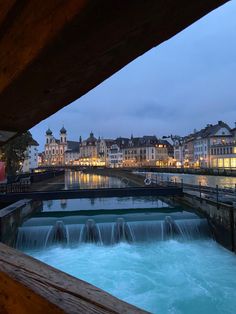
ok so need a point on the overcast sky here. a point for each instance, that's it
(184, 83)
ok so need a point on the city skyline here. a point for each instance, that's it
(183, 84)
(76, 137)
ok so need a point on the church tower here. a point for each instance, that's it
(63, 136)
(48, 136)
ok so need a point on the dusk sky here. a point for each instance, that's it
(184, 83)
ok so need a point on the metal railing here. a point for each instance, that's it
(219, 194)
(17, 187)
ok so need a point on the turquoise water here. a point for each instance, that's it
(161, 277)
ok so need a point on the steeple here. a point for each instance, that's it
(48, 132)
(63, 135)
(49, 136)
(63, 130)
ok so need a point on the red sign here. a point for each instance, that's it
(2, 171)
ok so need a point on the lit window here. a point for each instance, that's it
(220, 163)
(226, 163)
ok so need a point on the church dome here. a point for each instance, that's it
(91, 140)
(48, 132)
(63, 130)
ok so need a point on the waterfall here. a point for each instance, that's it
(60, 234)
(91, 233)
(192, 229)
(108, 233)
(146, 231)
(121, 232)
(34, 237)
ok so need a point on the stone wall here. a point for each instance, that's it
(221, 218)
(12, 216)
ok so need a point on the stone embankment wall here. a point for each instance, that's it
(199, 171)
(12, 216)
(221, 217)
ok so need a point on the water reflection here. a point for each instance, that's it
(103, 203)
(80, 180)
(196, 179)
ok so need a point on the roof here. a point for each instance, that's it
(211, 129)
(63, 130)
(108, 141)
(73, 146)
(49, 132)
(91, 139)
(33, 143)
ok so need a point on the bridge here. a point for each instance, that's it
(93, 193)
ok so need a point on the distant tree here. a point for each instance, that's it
(13, 153)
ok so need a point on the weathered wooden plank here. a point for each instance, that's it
(30, 286)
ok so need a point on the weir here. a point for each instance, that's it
(122, 229)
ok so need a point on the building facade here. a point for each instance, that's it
(31, 157)
(59, 151)
(104, 147)
(115, 157)
(212, 147)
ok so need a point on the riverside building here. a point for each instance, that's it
(212, 147)
(59, 151)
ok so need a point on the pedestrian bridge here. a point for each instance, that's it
(94, 193)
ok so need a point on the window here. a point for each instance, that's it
(226, 163)
(214, 162)
(220, 163)
(233, 162)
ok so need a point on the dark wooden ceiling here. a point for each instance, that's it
(53, 52)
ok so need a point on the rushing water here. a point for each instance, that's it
(211, 181)
(155, 256)
(109, 229)
(161, 277)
